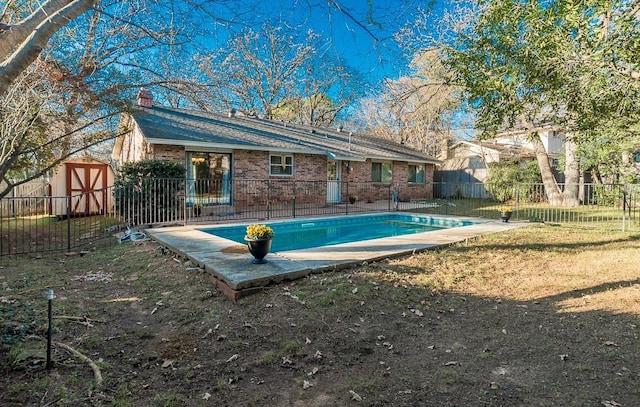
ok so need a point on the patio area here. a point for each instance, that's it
(230, 263)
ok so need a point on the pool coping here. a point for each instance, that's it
(230, 262)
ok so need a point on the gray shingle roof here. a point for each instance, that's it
(163, 125)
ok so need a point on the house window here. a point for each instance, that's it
(381, 172)
(416, 173)
(281, 165)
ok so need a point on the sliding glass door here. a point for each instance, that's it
(209, 178)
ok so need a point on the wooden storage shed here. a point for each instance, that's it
(80, 187)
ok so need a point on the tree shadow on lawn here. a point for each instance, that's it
(557, 246)
(376, 330)
(458, 349)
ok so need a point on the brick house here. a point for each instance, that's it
(221, 151)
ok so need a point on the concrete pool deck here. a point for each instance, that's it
(230, 262)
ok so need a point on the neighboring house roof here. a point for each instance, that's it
(163, 125)
(504, 150)
(508, 150)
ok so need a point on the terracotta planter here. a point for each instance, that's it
(505, 216)
(259, 248)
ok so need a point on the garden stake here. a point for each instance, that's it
(50, 301)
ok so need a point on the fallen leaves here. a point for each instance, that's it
(355, 396)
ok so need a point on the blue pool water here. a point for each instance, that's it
(303, 234)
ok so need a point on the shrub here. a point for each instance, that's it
(509, 180)
(146, 191)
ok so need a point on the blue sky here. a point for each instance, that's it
(359, 31)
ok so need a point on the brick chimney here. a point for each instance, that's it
(145, 98)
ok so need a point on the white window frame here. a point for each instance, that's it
(283, 164)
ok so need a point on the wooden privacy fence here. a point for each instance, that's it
(35, 224)
(21, 202)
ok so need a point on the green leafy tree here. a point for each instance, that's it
(527, 65)
(509, 180)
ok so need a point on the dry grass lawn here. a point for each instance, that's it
(538, 316)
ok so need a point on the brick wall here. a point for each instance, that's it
(254, 185)
(251, 164)
(251, 170)
(163, 152)
(365, 190)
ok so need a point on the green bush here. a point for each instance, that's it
(147, 191)
(509, 180)
(605, 195)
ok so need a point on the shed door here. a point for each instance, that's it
(86, 185)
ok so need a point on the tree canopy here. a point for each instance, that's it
(529, 64)
(276, 74)
(416, 110)
(70, 67)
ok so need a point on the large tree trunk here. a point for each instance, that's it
(15, 34)
(550, 185)
(571, 173)
(22, 43)
(555, 195)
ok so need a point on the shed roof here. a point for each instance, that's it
(189, 128)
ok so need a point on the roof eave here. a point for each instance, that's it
(230, 146)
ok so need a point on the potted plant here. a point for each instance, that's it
(352, 199)
(505, 213)
(258, 238)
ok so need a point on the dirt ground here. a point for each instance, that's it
(539, 316)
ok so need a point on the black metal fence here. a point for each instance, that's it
(601, 206)
(50, 224)
(40, 224)
(271, 199)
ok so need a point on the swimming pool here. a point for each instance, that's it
(306, 233)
